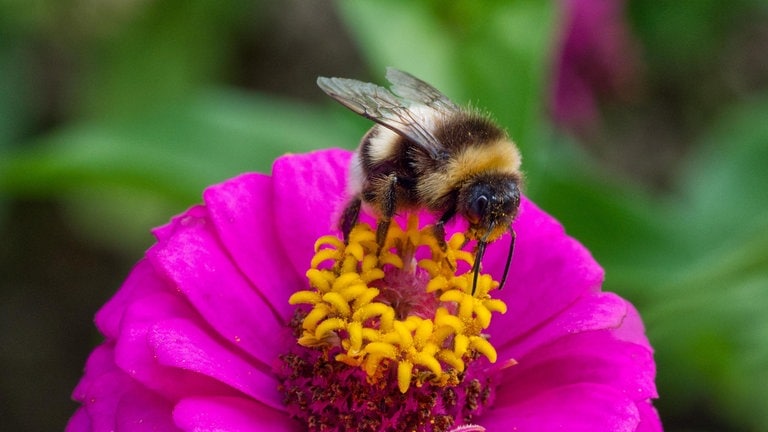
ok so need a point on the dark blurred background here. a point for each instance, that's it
(644, 129)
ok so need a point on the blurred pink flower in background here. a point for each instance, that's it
(598, 59)
(193, 335)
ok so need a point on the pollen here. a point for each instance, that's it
(404, 312)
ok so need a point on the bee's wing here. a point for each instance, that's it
(382, 106)
(413, 89)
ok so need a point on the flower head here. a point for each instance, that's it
(247, 315)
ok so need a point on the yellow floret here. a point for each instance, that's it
(348, 311)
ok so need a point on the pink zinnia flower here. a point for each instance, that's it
(202, 336)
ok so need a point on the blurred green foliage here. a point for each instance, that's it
(123, 112)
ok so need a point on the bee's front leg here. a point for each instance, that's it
(439, 228)
(349, 217)
(388, 203)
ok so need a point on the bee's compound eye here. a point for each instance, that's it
(477, 209)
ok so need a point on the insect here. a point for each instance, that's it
(427, 152)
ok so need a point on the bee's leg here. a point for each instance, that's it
(381, 232)
(388, 205)
(349, 217)
(439, 228)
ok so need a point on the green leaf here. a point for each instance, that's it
(117, 170)
(494, 54)
(696, 27)
(177, 150)
(707, 321)
(15, 93)
(710, 337)
(627, 231)
(405, 35)
(168, 49)
(724, 187)
(504, 64)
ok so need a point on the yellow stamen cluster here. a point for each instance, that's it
(349, 311)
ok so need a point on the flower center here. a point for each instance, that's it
(395, 333)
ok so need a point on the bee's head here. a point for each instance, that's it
(489, 203)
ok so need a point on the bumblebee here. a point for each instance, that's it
(426, 152)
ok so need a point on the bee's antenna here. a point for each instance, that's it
(509, 257)
(481, 243)
(476, 266)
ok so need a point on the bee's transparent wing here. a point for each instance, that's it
(413, 89)
(382, 106)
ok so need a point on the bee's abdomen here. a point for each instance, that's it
(383, 157)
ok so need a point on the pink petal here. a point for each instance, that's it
(142, 281)
(593, 311)
(594, 357)
(649, 418)
(101, 389)
(241, 210)
(182, 344)
(215, 414)
(100, 361)
(135, 355)
(164, 232)
(549, 272)
(309, 192)
(141, 410)
(193, 258)
(586, 407)
(632, 328)
(79, 422)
